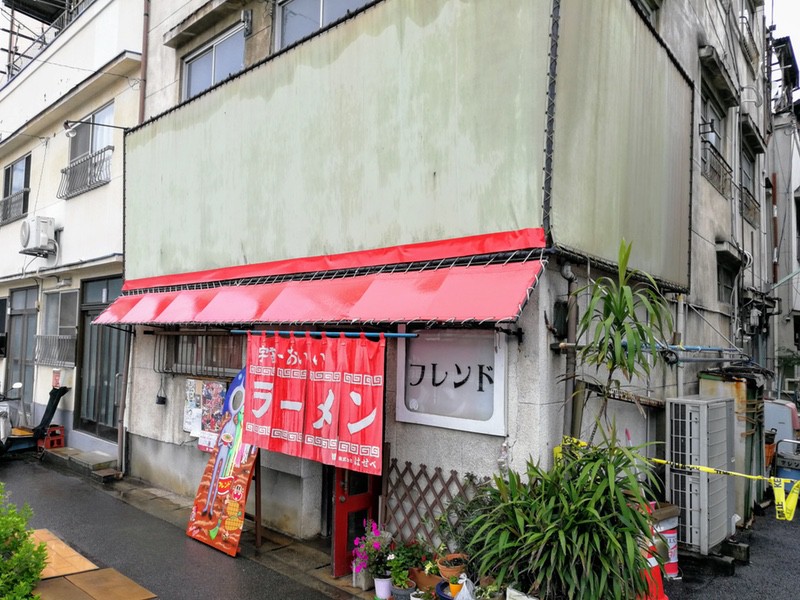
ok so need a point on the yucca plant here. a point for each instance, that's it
(577, 530)
(625, 321)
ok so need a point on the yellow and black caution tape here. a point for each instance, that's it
(785, 505)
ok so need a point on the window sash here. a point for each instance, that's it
(223, 57)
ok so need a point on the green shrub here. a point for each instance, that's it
(574, 531)
(21, 560)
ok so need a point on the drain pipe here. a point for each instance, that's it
(569, 375)
(680, 325)
(145, 52)
(122, 395)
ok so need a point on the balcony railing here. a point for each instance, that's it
(748, 41)
(87, 173)
(20, 60)
(55, 350)
(751, 209)
(716, 170)
(14, 206)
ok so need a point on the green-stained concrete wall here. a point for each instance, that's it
(413, 121)
(622, 162)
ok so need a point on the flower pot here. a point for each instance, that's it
(425, 582)
(362, 580)
(446, 571)
(383, 587)
(455, 588)
(404, 593)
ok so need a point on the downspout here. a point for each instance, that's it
(680, 326)
(570, 417)
(774, 229)
(145, 45)
(123, 394)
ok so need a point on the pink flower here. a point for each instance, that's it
(376, 545)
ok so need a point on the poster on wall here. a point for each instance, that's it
(217, 515)
(202, 416)
(319, 398)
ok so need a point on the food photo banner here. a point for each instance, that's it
(319, 398)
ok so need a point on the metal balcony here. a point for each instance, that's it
(14, 206)
(750, 208)
(716, 170)
(56, 350)
(46, 12)
(748, 41)
(86, 173)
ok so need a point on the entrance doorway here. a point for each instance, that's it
(355, 499)
(103, 352)
(21, 361)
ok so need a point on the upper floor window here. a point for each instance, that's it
(214, 62)
(56, 345)
(298, 19)
(712, 132)
(16, 188)
(90, 149)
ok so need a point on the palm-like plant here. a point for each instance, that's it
(628, 319)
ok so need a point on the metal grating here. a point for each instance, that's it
(87, 173)
(716, 170)
(416, 497)
(14, 206)
(55, 350)
(751, 211)
(199, 355)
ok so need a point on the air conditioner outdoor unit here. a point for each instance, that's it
(37, 236)
(699, 432)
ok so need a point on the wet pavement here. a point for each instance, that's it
(772, 572)
(140, 531)
(154, 551)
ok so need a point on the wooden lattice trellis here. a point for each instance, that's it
(415, 498)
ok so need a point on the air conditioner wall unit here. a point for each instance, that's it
(699, 432)
(37, 236)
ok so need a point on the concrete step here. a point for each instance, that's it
(83, 463)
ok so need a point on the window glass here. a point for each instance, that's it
(229, 56)
(222, 58)
(713, 123)
(748, 172)
(102, 136)
(81, 143)
(68, 312)
(299, 19)
(199, 73)
(51, 314)
(336, 9)
(726, 276)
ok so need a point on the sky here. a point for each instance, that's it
(785, 14)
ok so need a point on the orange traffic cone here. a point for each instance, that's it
(652, 575)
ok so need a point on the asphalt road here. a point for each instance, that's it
(160, 557)
(773, 572)
(152, 552)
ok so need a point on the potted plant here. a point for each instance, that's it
(456, 583)
(624, 324)
(402, 586)
(370, 554)
(452, 565)
(576, 530)
(422, 567)
(422, 595)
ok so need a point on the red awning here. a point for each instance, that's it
(483, 292)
